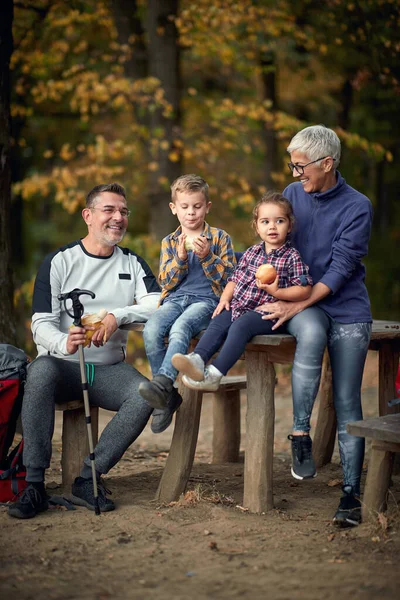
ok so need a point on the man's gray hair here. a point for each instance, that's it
(115, 188)
(315, 142)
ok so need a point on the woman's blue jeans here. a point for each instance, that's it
(180, 318)
(347, 346)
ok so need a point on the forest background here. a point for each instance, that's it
(141, 91)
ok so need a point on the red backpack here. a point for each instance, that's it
(13, 364)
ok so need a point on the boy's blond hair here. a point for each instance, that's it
(189, 183)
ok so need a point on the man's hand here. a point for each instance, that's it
(105, 331)
(201, 246)
(281, 310)
(222, 305)
(182, 252)
(76, 337)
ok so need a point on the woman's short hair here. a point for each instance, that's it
(316, 142)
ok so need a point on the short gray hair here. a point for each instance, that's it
(115, 188)
(315, 142)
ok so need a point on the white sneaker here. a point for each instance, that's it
(210, 383)
(191, 365)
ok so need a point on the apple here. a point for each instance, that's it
(266, 273)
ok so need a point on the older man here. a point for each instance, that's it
(125, 286)
(332, 231)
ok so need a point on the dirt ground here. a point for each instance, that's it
(206, 545)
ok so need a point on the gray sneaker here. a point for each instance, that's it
(83, 494)
(191, 365)
(162, 419)
(210, 383)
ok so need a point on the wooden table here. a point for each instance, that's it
(261, 354)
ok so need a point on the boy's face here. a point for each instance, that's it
(191, 209)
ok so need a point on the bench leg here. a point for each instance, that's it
(226, 426)
(75, 445)
(260, 424)
(378, 481)
(325, 430)
(183, 446)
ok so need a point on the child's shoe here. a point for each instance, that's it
(191, 365)
(162, 418)
(156, 392)
(210, 383)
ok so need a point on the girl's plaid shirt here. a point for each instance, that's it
(218, 265)
(288, 264)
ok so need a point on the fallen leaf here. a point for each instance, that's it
(213, 545)
(334, 482)
(383, 522)
(242, 508)
(331, 537)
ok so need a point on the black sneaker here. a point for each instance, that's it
(349, 512)
(83, 494)
(33, 500)
(303, 465)
(156, 391)
(162, 418)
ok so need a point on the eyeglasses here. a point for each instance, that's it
(300, 168)
(110, 210)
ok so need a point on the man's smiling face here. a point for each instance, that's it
(107, 219)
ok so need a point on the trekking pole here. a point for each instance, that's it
(77, 312)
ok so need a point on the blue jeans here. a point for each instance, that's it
(181, 318)
(230, 338)
(347, 347)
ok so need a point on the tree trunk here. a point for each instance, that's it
(268, 65)
(7, 318)
(163, 55)
(131, 32)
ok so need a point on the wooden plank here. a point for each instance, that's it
(183, 446)
(260, 423)
(233, 382)
(75, 445)
(226, 426)
(386, 428)
(325, 430)
(377, 483)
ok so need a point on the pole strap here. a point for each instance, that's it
(90, 373)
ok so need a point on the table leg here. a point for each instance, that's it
(183, 446)
(325, 430)
(388, 365)
(260, 423)
(378, 479)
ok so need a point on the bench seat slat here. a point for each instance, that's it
(386, 428)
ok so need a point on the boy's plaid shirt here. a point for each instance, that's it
(218, 265)
(288, 264)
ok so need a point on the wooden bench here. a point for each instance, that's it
(226, 429)
(385, 434)
(226, 419)
(75, 444)
(261, 354)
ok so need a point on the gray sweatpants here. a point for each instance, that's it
(115, 388)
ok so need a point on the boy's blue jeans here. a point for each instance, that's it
(180, 318)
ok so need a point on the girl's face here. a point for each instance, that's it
(272, 225)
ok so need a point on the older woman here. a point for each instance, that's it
(333, 225)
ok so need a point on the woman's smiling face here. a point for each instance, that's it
(317, 177)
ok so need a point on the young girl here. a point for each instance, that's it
(238, 316)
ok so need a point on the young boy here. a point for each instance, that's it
(196, 261)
